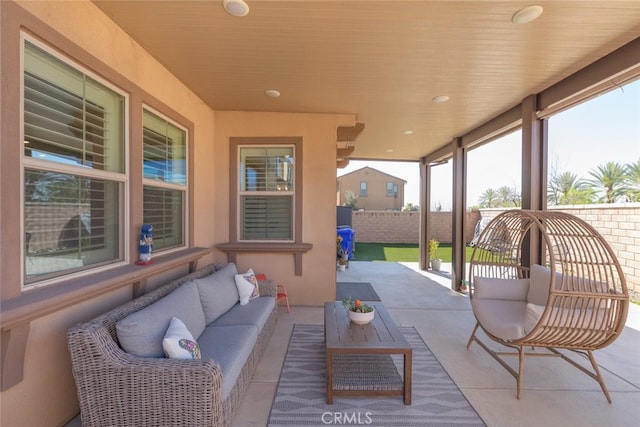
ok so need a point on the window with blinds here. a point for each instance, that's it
(266, 193)
(74, 145)
(165, 180)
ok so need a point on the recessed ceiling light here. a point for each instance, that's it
(407, 132)
(272, 93)
(527, 14)
(440, 98)
(390, 150)
(235, 7)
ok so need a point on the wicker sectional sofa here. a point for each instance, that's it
(123, 379)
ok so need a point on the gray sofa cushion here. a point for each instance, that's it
(229, 346)
(218, 292)
(503, 318)
(141, 333)
(254, 313)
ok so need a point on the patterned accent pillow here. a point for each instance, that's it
(178, 343)
(247, 286)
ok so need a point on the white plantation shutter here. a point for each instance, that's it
(163, 208)
(74, 168)
(165, 179)
(266, 193)
(267, 217)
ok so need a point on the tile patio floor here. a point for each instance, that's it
(554, 393)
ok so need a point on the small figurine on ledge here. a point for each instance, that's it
(146, 245)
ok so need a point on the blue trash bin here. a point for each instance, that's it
(348, 238)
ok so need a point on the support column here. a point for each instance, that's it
(459, 214)
(534, 172)
(534, 158)
(425, 203)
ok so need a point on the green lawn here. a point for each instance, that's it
(398, 252)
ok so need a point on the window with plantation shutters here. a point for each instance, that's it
(74, 174)
(165, 180)
(266, 193)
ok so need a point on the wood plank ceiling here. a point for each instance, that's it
(382, 60)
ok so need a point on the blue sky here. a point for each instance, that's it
(604, 129)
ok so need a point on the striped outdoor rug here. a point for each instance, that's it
(300, 397)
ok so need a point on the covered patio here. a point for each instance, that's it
(423, 82)
(554, 393)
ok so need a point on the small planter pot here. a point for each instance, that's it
(342, 267)
(361, 318)
(436, 264)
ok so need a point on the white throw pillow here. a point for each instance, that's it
(247, 286)
(178, 343)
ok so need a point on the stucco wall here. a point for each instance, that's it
(404, 227)
(619, 224)
(317, 284)
(46, 395)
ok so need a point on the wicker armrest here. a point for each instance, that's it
(268, 288)
(117, 388)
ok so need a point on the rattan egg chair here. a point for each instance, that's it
(548, 280)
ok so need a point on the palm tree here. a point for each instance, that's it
(610, 179)
(489, 198)
(508, 196)
(633, 181)
(567, 189)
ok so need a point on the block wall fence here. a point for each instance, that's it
(404, 227)
(619, 224)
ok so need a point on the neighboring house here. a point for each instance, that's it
(374, 190)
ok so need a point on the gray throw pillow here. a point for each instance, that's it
(141, 333)
(218, 292)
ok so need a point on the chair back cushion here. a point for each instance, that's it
(504, 289)
(540, 284)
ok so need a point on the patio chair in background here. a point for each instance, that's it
(281, 295)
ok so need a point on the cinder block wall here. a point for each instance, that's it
(404, 227)
(619, 224)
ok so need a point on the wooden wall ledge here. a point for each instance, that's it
(17, 313)
(232, 249)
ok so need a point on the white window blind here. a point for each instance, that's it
(266, 193)
(74, 162)
(165, 178)
(163, 208)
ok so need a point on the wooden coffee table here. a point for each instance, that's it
(380, 337)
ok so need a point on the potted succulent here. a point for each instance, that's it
(359, 313)
(463, 286)
(342, 262)
(433, 255)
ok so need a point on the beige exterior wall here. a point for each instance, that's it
(317, 284)
(46, 396)
(376, 198)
